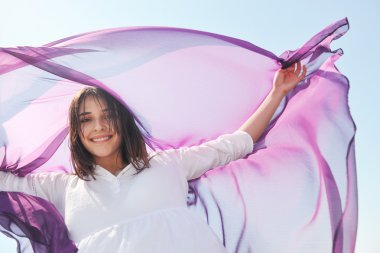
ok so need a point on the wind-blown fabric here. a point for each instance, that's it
(296, 192)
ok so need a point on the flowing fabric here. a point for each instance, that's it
(296, 192)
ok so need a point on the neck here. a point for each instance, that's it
(112, 164)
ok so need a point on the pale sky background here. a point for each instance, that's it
(273, 25)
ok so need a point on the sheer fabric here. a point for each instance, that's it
(296, 192)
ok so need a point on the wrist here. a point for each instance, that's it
(278, 93)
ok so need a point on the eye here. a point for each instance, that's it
(84, 120)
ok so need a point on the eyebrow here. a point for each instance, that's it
(86, 113)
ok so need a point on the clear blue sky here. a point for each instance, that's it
(273, 25)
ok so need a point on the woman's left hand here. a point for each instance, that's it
(286, 79)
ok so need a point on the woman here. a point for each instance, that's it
(122, 199)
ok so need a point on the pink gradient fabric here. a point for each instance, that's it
(296, 192)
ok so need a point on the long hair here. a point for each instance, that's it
(132, 148)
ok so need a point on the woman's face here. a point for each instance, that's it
(98, 136)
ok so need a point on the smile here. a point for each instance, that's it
(101, 138)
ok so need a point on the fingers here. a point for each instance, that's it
(303, 72)
(292, 68)
(296, 69)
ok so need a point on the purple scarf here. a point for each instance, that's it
(296, 192)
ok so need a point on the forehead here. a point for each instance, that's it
(92, 104)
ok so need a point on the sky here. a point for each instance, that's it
(273, 25)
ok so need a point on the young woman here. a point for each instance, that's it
(122, 199)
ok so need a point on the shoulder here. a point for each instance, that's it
(163, 156)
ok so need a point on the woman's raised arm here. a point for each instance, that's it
(284, 81)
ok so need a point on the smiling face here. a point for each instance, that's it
(104, 132)
(98, 135)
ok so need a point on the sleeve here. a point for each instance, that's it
(50, 186)
(196, 160)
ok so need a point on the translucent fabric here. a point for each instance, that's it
(296, 192)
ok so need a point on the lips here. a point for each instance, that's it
(100, 139)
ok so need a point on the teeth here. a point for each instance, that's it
(102, 139)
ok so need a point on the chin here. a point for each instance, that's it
(103, 153)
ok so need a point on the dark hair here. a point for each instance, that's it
(132, 148)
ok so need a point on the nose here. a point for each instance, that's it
(100, 125)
